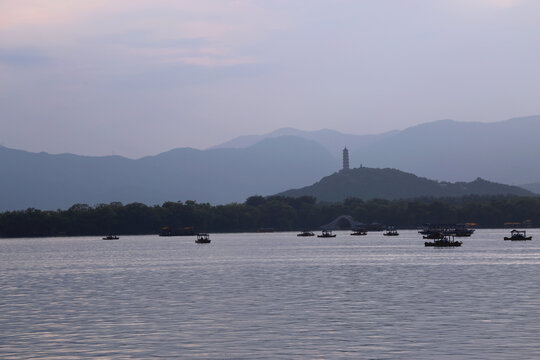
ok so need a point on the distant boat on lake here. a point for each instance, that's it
(516, 235)
(391, 232)
(203, 239)
(111, 237)
(446, 241)
(306, 233)
(327, 234)
(432, 230)
(359, 232)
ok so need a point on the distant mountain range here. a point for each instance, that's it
(217, 176)
(369, 183)
(332, 140)
(505, 151)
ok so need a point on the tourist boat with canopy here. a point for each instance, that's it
(517, 235)
(359, 232)
(391, 231)
(446, 241)
(327, 234)
(203, 238)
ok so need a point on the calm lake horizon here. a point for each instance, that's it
(270, 296)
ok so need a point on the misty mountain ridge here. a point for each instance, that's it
(332, 140)
(219, 176)
(446, 150)
(505, 151)
(443, 150)
(391, 184)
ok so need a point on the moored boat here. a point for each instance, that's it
(111, 237)
(306, 233)
(359, 232)
(446, 241)
(434, 235)
(391, 231)
(203, 238)
(459, 230)
(516, 235)
(326, 234)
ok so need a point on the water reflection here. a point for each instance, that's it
(270, 296)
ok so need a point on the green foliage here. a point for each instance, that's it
(278, 212)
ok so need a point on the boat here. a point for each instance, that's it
(111, 237)
(458, 230)
(203, 239)
(434, 235)
(446, 241)
(306, 233)
(327, 234)
(516, 235)
(391, 232)
(359, 232)
(463, 232)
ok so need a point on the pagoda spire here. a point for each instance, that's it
(345, 159)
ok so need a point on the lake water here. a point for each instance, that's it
(270, 296)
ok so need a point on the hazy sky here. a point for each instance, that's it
(138, 77)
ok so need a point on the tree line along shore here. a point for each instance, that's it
(275, 212)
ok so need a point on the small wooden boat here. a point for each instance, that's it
(327, 234)
(203, 239)
(516, 235)
(446, 241)
(306, 233)
(111, 237)
(359, 232)
(391, 232)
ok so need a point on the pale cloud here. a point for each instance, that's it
(44, 13)
(224, 25)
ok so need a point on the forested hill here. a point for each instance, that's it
(370, 183)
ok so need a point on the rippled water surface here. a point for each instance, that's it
(270, 296)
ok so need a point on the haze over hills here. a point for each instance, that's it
(332, 140)
(45, 181)
(447, 150)
(505, 151)
(444, 150)
(370, 183)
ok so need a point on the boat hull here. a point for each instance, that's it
(443, 244)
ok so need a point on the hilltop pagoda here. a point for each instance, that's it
(345, 159)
